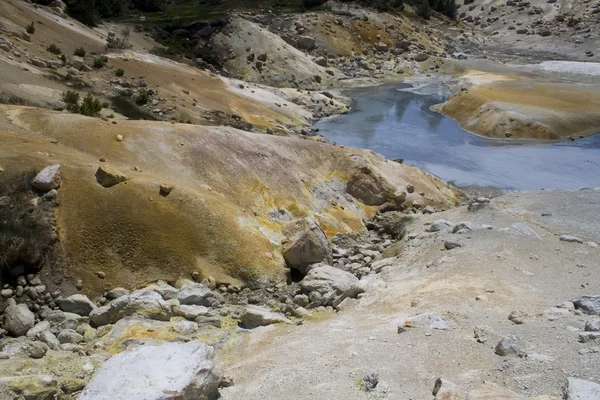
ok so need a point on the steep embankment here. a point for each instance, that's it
(233, 193)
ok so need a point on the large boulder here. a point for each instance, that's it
(18, 319)
(76, 304)
(306, 245)
(143, 303)
(372, 189)
(108, 176)
(326, 279)
(255, 316)
(48, 178)
(182, 371)
(579, 389)
(588, 304)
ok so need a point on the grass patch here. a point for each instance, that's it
(27, 232)
(128, 108)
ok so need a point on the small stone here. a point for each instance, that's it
(482, 333)
(108, 176)
(570, 239)
(448, 245)
(165, 189)
(100, 274)
(119, 138)
(517, 317)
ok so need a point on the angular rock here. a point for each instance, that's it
(164, 289)
(592, 325)
(588, 304)
(182, 371)
(255, 316)
(306, 245)
(306, 43)
(18, 319)
(108, 176)
(190, 312)
(143, 303)
(196, 294)
(70, 336)
(76, 304)
(579, 389)
(48, 178)
(585, 337)
(510, 345)
(324, 279)
(440, 225)
(449, 245)
(443, 389)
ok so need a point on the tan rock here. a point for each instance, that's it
(107, 176)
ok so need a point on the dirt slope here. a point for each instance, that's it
(234, 192)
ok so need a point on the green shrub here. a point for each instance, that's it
(120, 72)
(90, 106)
(142, 97)
(54, 49)
(80, 52)
(100, 62)
(63, 58)
(423, 10)
(71, 99)
(31, 28)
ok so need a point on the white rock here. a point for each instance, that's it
(164, 372)
(439, 225)
(48, 178)
(325, 279)
(18, 320)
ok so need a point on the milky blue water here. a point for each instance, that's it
(396, 121)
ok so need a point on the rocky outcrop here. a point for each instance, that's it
(183, 371)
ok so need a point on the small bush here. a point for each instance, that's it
(100, 62)
(63, 58)
(71, 99)
(54, 49)
(120, 72)
(31, 28)
(142, 97)
(423, 10)
(80, 52)
(90, 106)
(114, 42)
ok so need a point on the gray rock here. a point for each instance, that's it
(324, 279)
(76, 304)
(306, 43)
(443, 389)
(190, 312)
(450, 245)
(164, 289)
(40, 327)
(428, 210)
(511, 345)
(255, 316)
(24, 347)
(440, 225)
(592, 325)
(476, 206)
(50, 339)
(463, 226)
(482, 333)
(196, 294)
(421, 57)
(431, 321)
(116, 293)
(570, 239)
(585, 337)
(322, 61)
(183, 371)
(306, 245)
(60, 320)
(143, 303)
(18, 319)
(48, 178)
(579, 389)
(70, 336)
(588, 304)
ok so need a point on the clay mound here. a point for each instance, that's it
(234, 191)
(521, 108)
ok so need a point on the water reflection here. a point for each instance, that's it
(399, 124)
